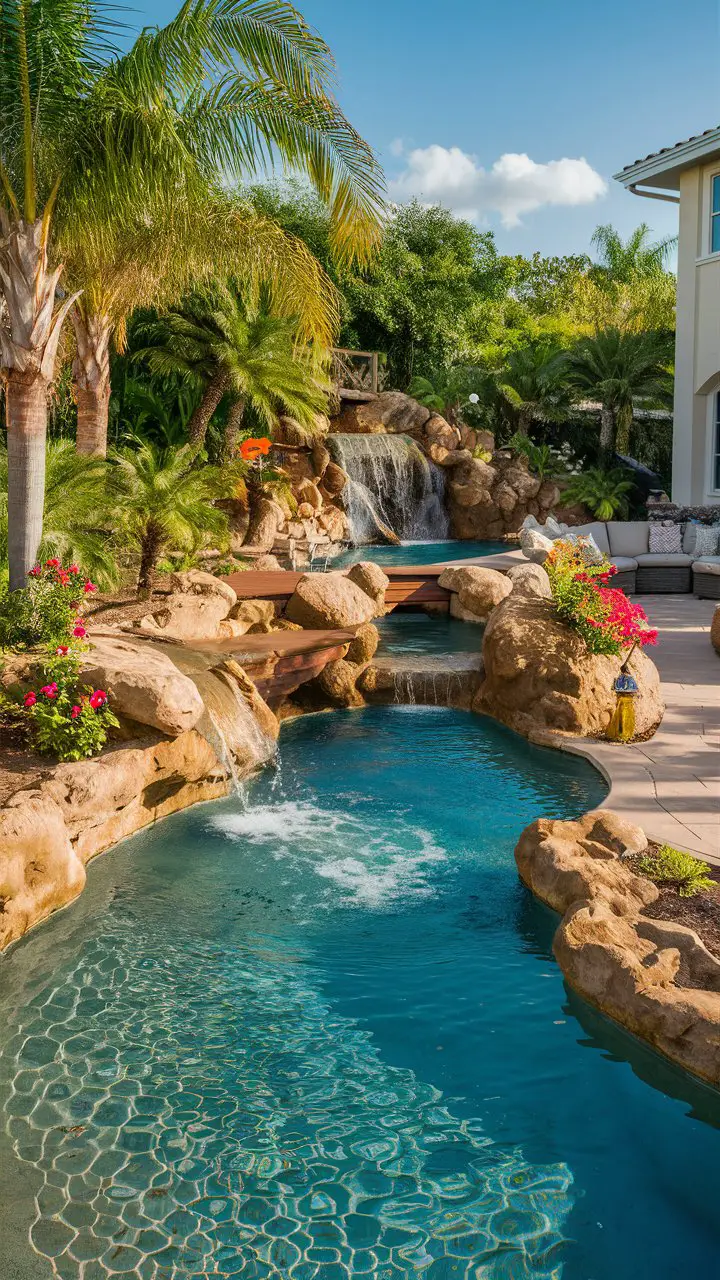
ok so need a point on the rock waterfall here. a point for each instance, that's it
(393, 489)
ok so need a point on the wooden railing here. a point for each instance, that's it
(355, 370)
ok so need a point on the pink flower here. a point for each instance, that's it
(35, 571)
(62, 651)
(74, 569)
(30, 699)
(53, 564)
(75, 712)
(79, 631)
(97, 699)
(50, 690)
(89, 586)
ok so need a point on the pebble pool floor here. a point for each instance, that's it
(316, 1032)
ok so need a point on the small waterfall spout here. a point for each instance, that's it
(392, 486)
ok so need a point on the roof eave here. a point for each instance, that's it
(663, 169)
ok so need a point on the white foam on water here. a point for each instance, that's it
(368, 867)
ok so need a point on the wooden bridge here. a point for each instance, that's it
(409, 586)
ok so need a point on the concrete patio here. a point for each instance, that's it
(670, 785)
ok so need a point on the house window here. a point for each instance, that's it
(716, 444)
(715, 215)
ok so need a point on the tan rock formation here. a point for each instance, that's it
(265, 520)
(568, 862)
(370, 578)
(364, 646)
(254, 616)
(144, 684)
(389, 411)
(478, 590)
(39, 868)
(337, 682)
(330, 600)
(540, 676)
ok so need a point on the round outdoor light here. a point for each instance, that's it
(473, 397)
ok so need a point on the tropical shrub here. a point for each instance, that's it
(605, 618)
(67, 720)
(682, 871)
(541, 459)
(45, 612)
(604, 493)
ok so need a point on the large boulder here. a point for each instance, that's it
(265, 519)
(438, 431)
(364, 646)
(567, 862)
(370, 578)
(253, 616)
(337, 684)
(530, 580)
(478, 590)
(195, 582)
(40, 870)
(144, 685)
(391, 411)
(540, 676)
(187, 618)
(330, 600)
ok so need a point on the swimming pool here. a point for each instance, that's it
(420, 552)
(409, 631)
(321, 1035)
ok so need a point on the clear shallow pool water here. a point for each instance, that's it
(420, 552)
(406, 631)
(323, 1036)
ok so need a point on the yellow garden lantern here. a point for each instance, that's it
(622, 725)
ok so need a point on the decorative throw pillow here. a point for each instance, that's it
(706, 540)
(665, 539)
(585, 543)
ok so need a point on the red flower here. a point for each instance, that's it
(97, 699)
(62, 651)
(75, 713)
(35, 571)
(53, 564)
(30, 699)
(252, 449)
(50, 690)
(79, 630)
(89, 586)
(74, 569)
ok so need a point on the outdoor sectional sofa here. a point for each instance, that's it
(625, 542)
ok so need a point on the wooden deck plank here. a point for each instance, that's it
(408, 585)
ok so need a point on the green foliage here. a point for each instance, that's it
(76, 526)
(45, 611)
(159, 501)
(680, 870)
(619, 367)
(541, 459)
(625, 261)
(604, 493)
(67, 720)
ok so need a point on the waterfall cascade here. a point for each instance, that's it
(392, 486)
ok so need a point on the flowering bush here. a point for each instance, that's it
(67, 721)
(46, 610)
(607, 621)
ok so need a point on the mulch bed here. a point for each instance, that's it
(700, 913)
(122, 606)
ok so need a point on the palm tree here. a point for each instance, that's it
(87, 132)
(230, 348)
(625, 261)
(533, 385)
(75, 524)
(617, 368)
(160, 501)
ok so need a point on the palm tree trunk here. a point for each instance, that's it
(624, 425)
(608, 430)
(26, 408)
(29, 337)
(232, 428)
(149, 552)
(200, 420)
(91, 374)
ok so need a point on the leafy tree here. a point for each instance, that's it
(160, 501)
(85, 128)
(217, 340)
(624, 261)
(617, 368)
(535, 386)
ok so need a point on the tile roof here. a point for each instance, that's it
(654, 155)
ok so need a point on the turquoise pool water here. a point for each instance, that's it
(421, 552)
(322, 1035)
(406, 631)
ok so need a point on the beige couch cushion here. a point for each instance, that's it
(707, 564)
(598, 531)
(671, 561)
(628, 537)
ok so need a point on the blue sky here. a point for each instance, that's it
(607, 82)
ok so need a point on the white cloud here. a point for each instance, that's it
(515, 184)
(397, 147)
